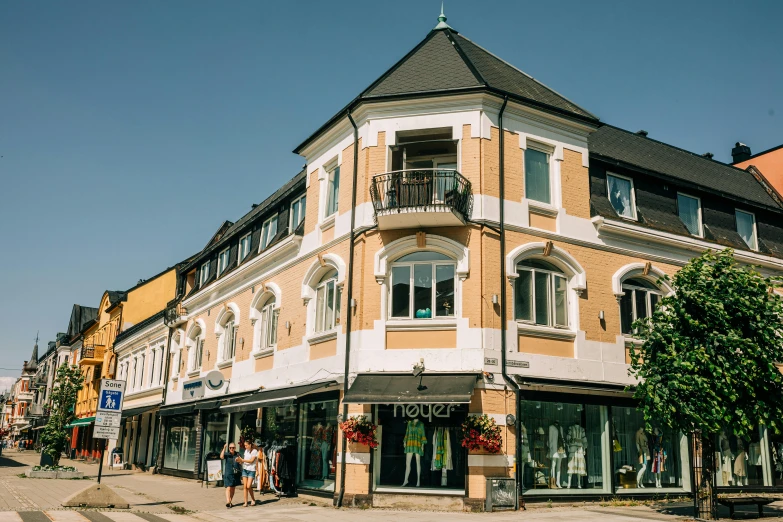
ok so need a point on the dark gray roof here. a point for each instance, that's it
(447, 62)
(80, 316)
(139, 326)
(638, 151)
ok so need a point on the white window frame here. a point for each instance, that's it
(197, 352)
(698, 211)
(268, 322)
(633, 195)
(634, 315)
(411, 310)
(298, 201)
(223, 260)
(336, 303)
(332, 206)
(154, 361)
(228, 340)
(538, 147)
(737, 211)
(266, 235)
(244, 247)
(551, 312)
(203, 273)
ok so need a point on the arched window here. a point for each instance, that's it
(327, 302)
(266, 325)
(639, 299)
(541, 294)
(422, 286)
(196, 346)
(228, 338)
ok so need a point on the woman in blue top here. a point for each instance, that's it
(230, 476)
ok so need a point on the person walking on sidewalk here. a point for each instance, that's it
(232, 476)
(248, 461)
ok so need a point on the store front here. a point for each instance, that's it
(582, 440)
(419, 432)
(750, 463)
(138, 443)
(297, 428)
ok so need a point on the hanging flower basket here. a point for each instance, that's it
(360, 430)
(479, 432)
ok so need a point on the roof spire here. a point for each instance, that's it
(442, 20)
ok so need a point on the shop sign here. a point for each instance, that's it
(518, 364)
(193, 389)
(428, 411)
(214, 380)
(214, 471)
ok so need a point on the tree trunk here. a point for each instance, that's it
(703, 455)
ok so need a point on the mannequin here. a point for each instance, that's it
(326, 440)
(556, 452)
(643, 447)
(316, 453)
(524, 457)
(413, 444)
(726, 458)
(658, 456)
(741, 465)
(577, 448)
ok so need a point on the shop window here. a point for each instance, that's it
(776, 456)
(278, 425)
(318, 454)
(563, 448)
(422, 286)
(180, 446)
(644, 459)
(739, 460)
(420, 449)
(327, 303)
(215, 429)
(540, 294)
(621, 195)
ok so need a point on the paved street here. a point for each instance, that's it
(157, 498)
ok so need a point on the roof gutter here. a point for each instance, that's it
(349, 292)
(504, 303)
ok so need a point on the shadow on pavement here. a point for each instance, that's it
(740, 512)
(6, 462)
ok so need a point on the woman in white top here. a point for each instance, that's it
(248, 461)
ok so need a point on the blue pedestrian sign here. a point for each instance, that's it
(110, 395)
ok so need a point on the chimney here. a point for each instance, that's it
(708, 155)
(642, 133)
(740, 152)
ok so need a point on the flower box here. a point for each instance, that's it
(41, 474)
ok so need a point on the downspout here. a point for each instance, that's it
(349, 292)
(503, 299)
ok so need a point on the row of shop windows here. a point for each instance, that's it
(567, 448)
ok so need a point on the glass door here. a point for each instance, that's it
(317, 445)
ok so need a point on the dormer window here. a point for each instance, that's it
(268, 231)
(223, 261)
(244, 247)
(746, 228)
(689, 210)
(203, 273)
(298, 208)
(621, 195)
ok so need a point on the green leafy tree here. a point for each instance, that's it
(65, 389)
(710, 352)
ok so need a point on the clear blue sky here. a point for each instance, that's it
(130, 130)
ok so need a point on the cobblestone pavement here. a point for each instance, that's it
(152, 497)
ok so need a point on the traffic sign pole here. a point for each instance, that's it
(108, 414)
(100, 465)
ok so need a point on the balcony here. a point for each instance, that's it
(418, 198)
(24, 396)
(91, 355)
(174, 314)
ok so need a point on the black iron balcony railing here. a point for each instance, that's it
(173, 312)
(88, 352)
(422, 189)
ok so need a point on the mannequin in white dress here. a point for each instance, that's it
(556, 452)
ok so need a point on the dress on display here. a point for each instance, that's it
(577, 442)
(658, 454)
(415, 438)
(556, 445)
(320, 435)
(741, 464)
(726, 456)
(754, 454)
(441, 450)
(525, 454)
(642, 444)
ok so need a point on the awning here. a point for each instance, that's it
(580, 387)
(132, 412)
(23, 428)
(384, 388)
(208, 405)
(39, 427)
(176, 410)
(81, 422)
(275, 397)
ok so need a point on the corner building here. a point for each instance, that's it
(388, 253)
